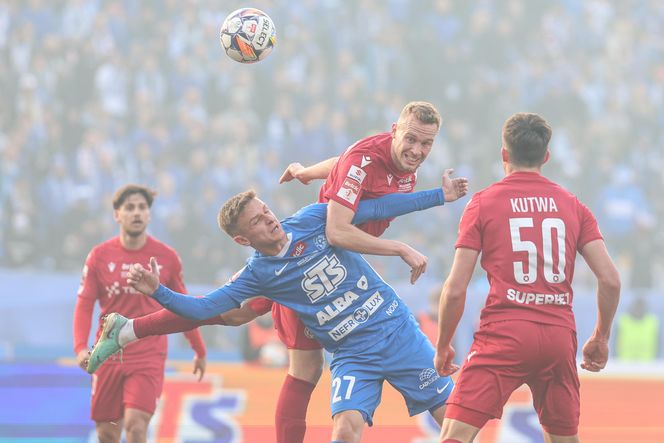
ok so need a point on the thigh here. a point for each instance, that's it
(291, 330)
(555, 385)
(496, 365)
(409, 368)
(107, 387)
(356, 386)
(143, 385)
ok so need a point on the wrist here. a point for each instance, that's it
(600, 336)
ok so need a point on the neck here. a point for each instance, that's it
(273, 249)
(133, 242)
(511, 169)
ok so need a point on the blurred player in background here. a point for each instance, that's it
(125, 391)
(377, 165)
(345, 304)
(528, 230)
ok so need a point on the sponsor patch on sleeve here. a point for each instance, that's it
(349, 190)
(356, 174)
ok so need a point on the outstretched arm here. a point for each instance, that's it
(319, 171)
(214, 303)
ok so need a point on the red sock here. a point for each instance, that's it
(291, 414)
(164, 322)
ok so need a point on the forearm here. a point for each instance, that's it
(394, 205)
(319, 171)
(196, 342)
(449, 314)
(82, 323)
(350, 237)
(196, 308)
(607, 303)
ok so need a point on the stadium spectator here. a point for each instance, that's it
(637, 334)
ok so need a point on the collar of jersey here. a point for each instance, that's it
(286, 246)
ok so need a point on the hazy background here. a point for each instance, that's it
(96, 94)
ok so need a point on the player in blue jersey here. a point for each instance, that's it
(346, 305)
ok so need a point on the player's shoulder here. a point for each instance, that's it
(369, 150)
(156, 246)
(110, 246)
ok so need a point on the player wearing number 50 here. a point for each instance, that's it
(347, 306)
(528, 230)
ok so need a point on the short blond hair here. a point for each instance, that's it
(423, 111)
(231, 210)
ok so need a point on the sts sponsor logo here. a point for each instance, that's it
(323, 277)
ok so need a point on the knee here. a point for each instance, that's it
(136, 429)
(347, 427)
(306, 365)
(108, 434)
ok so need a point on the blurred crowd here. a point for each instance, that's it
(100, 93)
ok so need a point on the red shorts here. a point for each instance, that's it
(505, 355)
(117, 386)
(291, 330)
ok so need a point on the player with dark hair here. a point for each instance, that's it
(374, 166)
(528, 230)
(125, 395)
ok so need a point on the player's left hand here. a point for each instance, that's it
(595, 354)
(454, 188)
(199, 367)
(293, 172)
(443, 363)
(144, 280)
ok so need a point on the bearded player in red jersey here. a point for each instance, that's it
(125, 391)
(372, 167)
(528, 230)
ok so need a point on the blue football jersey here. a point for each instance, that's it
(336, 293)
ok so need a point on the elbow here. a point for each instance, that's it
(611, 282)
(334, 236)
(454, 293)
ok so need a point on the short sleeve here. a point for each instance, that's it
(470, 235)
(349, 182)
(589, 229)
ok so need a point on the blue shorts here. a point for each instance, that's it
(404, 359)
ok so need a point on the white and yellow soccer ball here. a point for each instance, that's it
(248, 35)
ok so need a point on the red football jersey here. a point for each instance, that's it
(366, 170)
(105, 280)
(528, 230)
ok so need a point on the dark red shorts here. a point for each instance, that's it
(291, 330)
(117, 386)
(507, 354)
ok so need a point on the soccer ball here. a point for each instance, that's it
(248, 35)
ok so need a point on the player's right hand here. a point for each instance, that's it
(595, 354)
(416, 261)
(293, 172)
(443, 363)
(82, 359)
(145, 281)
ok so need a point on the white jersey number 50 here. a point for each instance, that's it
(553, 229)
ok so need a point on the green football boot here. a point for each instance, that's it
(107, 344)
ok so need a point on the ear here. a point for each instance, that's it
(116, 215)
(241, 240)
(504, 154)
(547, 156)
(394, 130)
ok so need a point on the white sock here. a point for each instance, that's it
(127, 334)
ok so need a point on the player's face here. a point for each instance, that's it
(259, 225)
(134, 215)
(411, 143)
